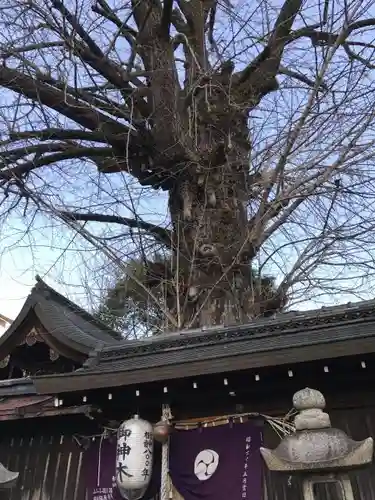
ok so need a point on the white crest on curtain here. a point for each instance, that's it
(205, 464)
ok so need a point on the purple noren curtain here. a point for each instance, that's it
(217, 463)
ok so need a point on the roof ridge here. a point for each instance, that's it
(279, 324)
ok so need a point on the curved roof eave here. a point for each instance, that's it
(10, 334)
(63, 320)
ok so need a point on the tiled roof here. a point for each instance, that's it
(64, 320)
(16, 386)
(14, 408)
(19, 400)
(9, 405)
(287, 338)
(325, 317)
(57, 309)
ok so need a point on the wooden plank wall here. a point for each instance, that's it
(50, 465)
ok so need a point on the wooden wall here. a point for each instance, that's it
(50, 462)
(47, 457)
(50, 467)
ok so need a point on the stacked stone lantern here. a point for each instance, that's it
(317, 451)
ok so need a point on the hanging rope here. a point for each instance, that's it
(164, 485)
(282, 425)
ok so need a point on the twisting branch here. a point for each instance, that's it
(353, 56)
(161, 234)
(78, 28)
(302, 78)
(94, 56)
(98, 244)
(325, 38)
(117, 134)
(12, 155)
(50, 134)
(55, 99)
(11, 51)
(261, 72)
(103, 9)
(158, 59)
(42, 161)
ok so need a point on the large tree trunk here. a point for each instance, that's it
(213, 245)
(200, 130)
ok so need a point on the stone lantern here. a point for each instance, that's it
(7, 478)
(316, 451)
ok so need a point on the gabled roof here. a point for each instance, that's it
(290, 337)
(66, 323)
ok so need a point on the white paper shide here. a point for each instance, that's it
(134, 457)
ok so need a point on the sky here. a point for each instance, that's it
(33, 244)
(17, 277)
(23, 255)
(13, 294)
(16, 272)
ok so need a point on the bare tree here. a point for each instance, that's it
(256, 119)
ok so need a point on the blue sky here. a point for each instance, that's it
(34, 244)
(18, 267)
(13, 291)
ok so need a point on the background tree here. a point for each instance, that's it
(256, 119)
(127, 308)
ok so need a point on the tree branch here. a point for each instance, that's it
(124, 29)
(158, 59)
(326, 38)
(94, 56)
(28, 48)
(166, 19)
(79, 152)
(77, 28)
(260, 74)
(259, 77)
(161, 234)
(51, 134)
(12, 155)
(299, 76)
(55, 99)
(94, 101)
(196, 13)
(353, 56)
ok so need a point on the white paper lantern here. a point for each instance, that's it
(134, 457)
